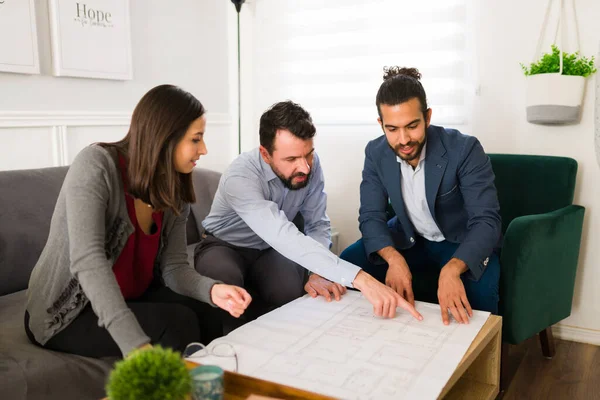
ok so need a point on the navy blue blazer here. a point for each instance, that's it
(460, 192)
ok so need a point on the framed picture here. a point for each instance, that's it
(91, 38)
(18, 37)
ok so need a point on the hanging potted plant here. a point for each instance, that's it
(556, 81)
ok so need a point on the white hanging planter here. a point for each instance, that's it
(554, 98)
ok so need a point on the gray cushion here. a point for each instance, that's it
(27, 201)
(191, 230)
(30, 372)
(206, 183)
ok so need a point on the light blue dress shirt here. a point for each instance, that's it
(252, 208)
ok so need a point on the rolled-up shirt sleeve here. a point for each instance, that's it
(246, 197)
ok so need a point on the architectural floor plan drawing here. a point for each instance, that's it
(342, 350)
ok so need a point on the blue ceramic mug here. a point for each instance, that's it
(207, 381)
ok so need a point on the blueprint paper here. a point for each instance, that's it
(341, 349)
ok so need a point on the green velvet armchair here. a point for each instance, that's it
(542, 234)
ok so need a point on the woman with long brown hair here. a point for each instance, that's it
(114, 274)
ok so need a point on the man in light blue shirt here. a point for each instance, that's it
(250, 238)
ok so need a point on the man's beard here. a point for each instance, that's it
(288, 182)
(417, 154)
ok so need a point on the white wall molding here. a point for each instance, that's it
(17, 119)
(60, 135)
(22, 119)
(60, 154)
(576, 334)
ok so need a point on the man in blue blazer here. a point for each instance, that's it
(440, 185)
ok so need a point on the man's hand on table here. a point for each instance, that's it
(383, 298)
(451, 293)
(319, 286)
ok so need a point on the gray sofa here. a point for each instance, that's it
(27, 200)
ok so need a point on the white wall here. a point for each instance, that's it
(46, 120)
(506, 34)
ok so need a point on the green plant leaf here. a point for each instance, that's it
(573, 64)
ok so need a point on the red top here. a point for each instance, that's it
(135, 265)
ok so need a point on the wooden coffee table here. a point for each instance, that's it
(477, 377)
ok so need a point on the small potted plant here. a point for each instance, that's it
(150, 374)
(555, 86)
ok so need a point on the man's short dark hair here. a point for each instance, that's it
(285, 115)
(399, 86)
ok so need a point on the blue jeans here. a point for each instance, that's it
(425, 260)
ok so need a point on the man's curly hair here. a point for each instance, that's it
(400, 84)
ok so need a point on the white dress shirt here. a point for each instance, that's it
(415, 202)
